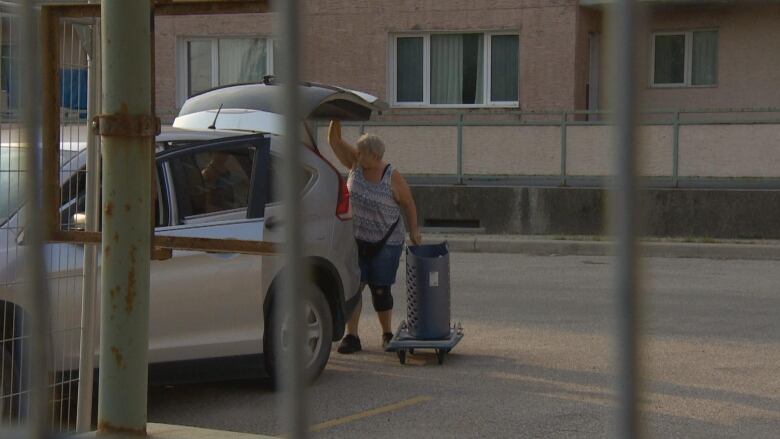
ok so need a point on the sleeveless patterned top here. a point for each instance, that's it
(374, 209)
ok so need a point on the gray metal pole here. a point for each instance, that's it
(35, 282)
(126, 135)
(291, 368)
(625, 194)
(90, 283)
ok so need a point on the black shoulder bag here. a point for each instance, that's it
(370, 249)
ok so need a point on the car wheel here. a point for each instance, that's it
(318, 333)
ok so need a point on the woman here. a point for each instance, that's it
(380, 196)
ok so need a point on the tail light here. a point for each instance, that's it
(343, 208)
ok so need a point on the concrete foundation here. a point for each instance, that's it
(715, 213)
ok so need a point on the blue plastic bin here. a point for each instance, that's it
(428, 291)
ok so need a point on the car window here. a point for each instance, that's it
(275, 196)
(73, 200)
(212, 181)
(11, 191)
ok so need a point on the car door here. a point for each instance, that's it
(210, 304)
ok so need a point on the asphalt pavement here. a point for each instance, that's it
(536, 361)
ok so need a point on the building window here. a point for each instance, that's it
(449, 69)
(9, 64)
(685, 59)
(210, 62)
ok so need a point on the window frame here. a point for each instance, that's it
(256, 203)
(687, 62)
(487, 42)
(182, 64)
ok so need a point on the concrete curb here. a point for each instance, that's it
(165, 431)
(553, 247)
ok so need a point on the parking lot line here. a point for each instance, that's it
(368, 413)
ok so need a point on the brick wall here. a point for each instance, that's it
(345, 42)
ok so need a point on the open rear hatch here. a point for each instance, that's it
(254, 107)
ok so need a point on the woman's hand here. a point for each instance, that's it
(415, 237)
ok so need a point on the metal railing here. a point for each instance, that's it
(565, 121)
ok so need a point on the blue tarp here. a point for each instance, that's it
(73, 86)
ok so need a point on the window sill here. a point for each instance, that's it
(513, 105)
(677, 86)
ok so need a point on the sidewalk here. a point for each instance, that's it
(165, 431)
(601, 246)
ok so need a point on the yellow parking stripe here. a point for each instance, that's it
(368, 413)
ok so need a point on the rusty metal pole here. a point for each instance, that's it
(126, 128)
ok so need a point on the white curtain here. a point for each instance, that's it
(480, 95)
(705, 58)
(242, 60)
(446, 69)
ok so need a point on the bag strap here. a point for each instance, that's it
(389, 232)
(382, 242)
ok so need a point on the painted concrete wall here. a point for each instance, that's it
(412, 150)
(528, 150)
(590, 153)
(704, 150)
(730, 150)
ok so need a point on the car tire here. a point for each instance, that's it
(319, 333)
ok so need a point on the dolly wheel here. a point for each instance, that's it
(401, 356)
(440, 353)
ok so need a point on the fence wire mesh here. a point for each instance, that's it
(64, 262)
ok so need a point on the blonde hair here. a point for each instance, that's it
(371, 144)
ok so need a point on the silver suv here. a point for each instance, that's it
(215, 170)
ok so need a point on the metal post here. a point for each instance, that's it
(295, 282)
(88, 302)
(460, 149)
(676, 151)
(126, 129)
(623, 39)
(564, 129)
(35, 282)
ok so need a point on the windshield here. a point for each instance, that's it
(11, 166)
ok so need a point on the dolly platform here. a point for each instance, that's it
(404, 342)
